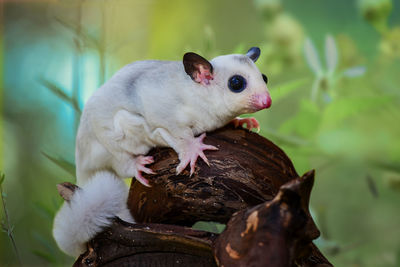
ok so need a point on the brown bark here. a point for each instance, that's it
(251, 185)
(275, 233)
(246, 170)
(125, 244)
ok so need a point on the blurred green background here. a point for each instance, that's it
(334, 72)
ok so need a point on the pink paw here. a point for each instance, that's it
(140, 162)
(250, 123)
(194, 150)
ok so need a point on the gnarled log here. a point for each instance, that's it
(124, 244)
(276, 233)
(246, 170)
(248, 175)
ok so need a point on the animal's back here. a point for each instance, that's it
(124, 91)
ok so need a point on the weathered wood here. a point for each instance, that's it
(125, 244)
(276, 233)
(246, 170)
(312, 257)
(248, 176)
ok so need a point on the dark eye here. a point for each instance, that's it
(237, 83)
(265, 78)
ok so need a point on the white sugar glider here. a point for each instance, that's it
(151, 104)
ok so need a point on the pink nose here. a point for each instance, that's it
(262, 101)
(268, 102)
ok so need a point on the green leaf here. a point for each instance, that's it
(220, 227)
(62, 163)
(372, 187)
(60, 92)
(2, 177)
(209, 226)
(282, 90)
(398, 257)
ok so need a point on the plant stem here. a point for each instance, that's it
(7, 227)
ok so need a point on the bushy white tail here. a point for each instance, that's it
(89, 211)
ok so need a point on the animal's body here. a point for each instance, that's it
(150, 104)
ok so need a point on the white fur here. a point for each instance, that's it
(155, 103)
(144, 105)
(90, 210)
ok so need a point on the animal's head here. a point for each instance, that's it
(240, 84)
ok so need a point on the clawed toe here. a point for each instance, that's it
(145, 160)
(141, 179)
(251, 123)
(146, 170)
(182, 165)
(141, 161)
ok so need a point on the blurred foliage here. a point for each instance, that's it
(333, 68)
(213, 227)
(376, 12)
(6, 225)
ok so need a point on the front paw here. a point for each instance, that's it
(250, 123)
(193, 150)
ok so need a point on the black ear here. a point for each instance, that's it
(253, 53)
(198, 68)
